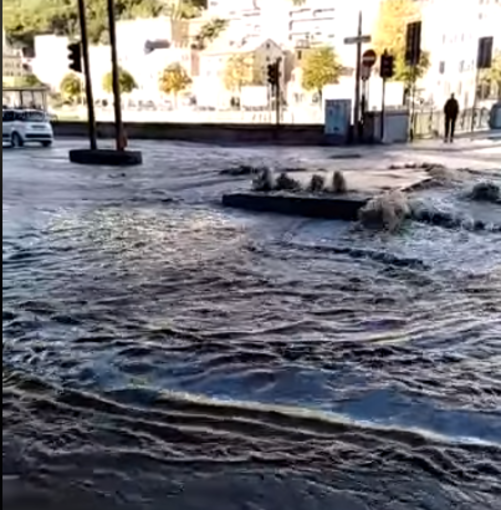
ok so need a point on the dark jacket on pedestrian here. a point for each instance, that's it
(451, 108)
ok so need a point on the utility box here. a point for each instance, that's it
(495, 117)
(396, 127)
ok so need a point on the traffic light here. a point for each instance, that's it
(387, 67)
(273, 74)
(75, 57)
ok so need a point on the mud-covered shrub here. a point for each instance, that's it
(317, 184)
(286, 183)
(339, 184)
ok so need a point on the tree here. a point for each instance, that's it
(125, 79)
(238, 73)
(71, 87)
(31, 80)
(320, 67)
(390, 35)
(209, 32)
(492, 77)
(28, 80)
(174, 80)
(23, 19)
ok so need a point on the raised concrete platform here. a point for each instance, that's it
(106, 157)
(362, 186)
(323, 207)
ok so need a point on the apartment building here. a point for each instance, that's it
(453, 46)
(213, 62)
(12, 63)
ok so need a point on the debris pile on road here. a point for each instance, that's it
(387, 211)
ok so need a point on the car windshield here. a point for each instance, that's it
(33, 116)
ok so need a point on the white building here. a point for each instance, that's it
(213, 62)
(453, 46)
(12, 62)
(50, 63)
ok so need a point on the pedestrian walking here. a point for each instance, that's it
(451, 111)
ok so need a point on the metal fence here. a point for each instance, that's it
(428, 123)
(431, 123)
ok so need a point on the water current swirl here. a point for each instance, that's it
(160, 352)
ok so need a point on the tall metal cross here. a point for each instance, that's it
(359, 40)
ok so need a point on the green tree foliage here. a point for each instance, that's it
(320, 67)
(238, 73)
(28, 80)
(71, 87)
(390, 33)
(126, 80)
(23, 19)
(492, 77)
(186, 9)
(174, 80)
(209, 32)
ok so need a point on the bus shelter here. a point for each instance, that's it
(25, 97)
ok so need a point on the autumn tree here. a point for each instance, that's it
(209, 32)
(238, 73)
(71, 87)
(320, 67)
(125, 79)
(174, 80)
(492, 77)
(390, 35)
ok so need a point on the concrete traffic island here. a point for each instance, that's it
(310, 194)
(106, 157)
(310, 206)
(375, 199)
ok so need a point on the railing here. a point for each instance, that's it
(427, 123)
(431, 123)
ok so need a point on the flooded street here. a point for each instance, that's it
(162, 352)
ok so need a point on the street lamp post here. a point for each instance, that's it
(88, 82)
(115, 73)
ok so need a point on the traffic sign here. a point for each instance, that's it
(358, 39)
(369, 58)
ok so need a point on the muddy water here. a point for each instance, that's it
(159, 351)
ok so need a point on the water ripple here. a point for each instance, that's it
(158, 350)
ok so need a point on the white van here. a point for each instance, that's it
(26, 126)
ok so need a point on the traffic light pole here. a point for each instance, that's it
(88, 82)
(358, 79)
(383, 108)
(278, 94)
(119, 133)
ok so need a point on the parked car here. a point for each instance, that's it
(26, 126)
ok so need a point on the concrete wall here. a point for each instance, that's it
(207, 133)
